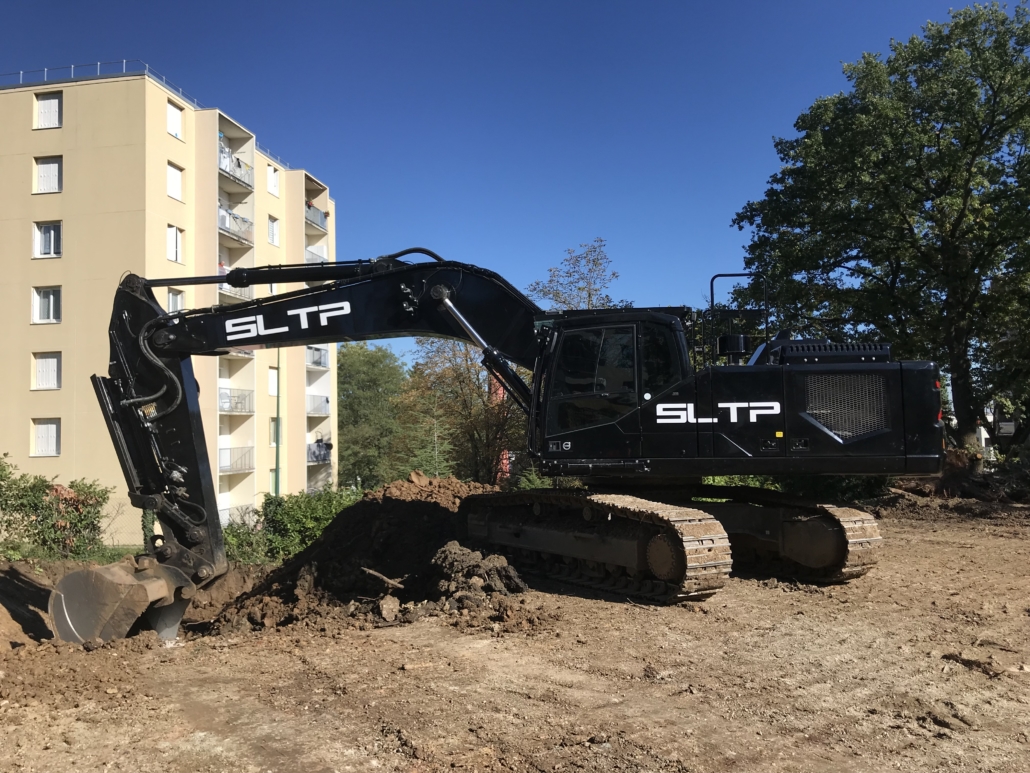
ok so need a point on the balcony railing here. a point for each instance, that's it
(310, 256)
(237, 514)
(235, 225)
(243, 293)
(232, 460)
(318, 405)
(316, 216)
(235, 400)
(320, 452)
(235, 167)
(317, 357)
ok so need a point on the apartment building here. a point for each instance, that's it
(103, 173)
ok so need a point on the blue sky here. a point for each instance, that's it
(498, 132)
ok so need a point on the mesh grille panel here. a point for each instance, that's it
(848, 405)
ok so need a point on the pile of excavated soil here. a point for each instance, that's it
(390, 558)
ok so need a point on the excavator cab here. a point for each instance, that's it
(616, 394)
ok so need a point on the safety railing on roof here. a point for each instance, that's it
(102, 69)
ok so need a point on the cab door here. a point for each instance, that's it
(592, 405)
(666, 389)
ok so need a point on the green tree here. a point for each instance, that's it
(580, 282)
(904, 201)
(370, 381)
(424, 441)
(479, 420)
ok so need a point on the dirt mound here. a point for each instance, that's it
(391, 558)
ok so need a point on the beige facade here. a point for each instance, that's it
(115, 174)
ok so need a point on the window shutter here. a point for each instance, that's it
(273, 230)
(175, 182)
(273, 180)
(48, 434)
(48, 171)
(174, 121)
(48, 370)
(49, 116)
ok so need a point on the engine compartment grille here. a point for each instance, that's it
(849, 404)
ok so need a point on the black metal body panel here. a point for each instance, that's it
(847, 410)
(392, 303)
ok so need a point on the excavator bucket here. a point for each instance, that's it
(105, 602)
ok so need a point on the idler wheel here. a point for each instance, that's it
(665, 558)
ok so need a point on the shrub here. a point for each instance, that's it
(54, 519)
(293, 521)
(246, 543)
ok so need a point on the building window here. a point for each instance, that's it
(175, 182)
(176, 300)
(175, 120)
(273, 180)
(173, 237)
(273, 231)
(47, 241)
(49, 110)
(273, 381)
(46, 437)
(49, 174)
(46, 304)
(47, 370)
(273, 481)
(273, 431)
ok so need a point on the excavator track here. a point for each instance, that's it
(775, 533)
(658, 552)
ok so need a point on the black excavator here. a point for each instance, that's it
(640, 404)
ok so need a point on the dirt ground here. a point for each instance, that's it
(922, 665)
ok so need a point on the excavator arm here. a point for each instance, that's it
(150, 401)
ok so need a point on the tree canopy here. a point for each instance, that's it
(901, 210)
(580, 282)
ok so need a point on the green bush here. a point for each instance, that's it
(294, 521)
(49, 518)
(246, 543)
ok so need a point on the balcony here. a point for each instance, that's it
(318, 405)
(241, 293)
(321, 451)
(312, 256)
(235, 400)
(316, 217)
(235, 460)
(237, 514)
(235, 226)
(234, 167)
(317, 357)
(243, 354)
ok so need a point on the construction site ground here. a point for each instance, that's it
(922, 665)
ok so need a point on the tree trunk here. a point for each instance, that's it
(963, 396)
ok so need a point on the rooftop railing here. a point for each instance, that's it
(235, 400)
(107, 69)
(233, 460)
(316, 216)
(235, 225)
(234, 166)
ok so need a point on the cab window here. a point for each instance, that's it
(660, 365)
(594, 379)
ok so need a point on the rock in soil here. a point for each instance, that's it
(390, 558)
